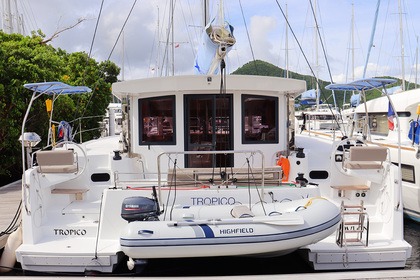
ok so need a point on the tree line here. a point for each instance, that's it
(29, 59)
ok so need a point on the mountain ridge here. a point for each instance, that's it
(263, 68)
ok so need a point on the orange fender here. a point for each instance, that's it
(285, 165)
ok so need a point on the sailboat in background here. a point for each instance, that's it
(208, 165)
(318, 117)
(379, 126)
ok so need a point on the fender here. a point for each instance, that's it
(285, 165)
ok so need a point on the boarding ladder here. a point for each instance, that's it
(354, 226)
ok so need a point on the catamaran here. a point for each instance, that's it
(177, 139)
(206, 165)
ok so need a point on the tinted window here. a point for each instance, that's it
(259, 119)
(157, 120)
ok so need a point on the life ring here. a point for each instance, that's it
(285, 166)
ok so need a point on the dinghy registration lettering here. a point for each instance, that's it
(213, 200)
(236, 230)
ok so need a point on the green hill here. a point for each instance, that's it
(262, 68)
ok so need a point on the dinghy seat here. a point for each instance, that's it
(56, 161)
(241, 211)
(366, 157)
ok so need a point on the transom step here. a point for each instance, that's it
(354, 227)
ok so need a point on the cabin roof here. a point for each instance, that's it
(209, 84)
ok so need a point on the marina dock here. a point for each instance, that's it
(10, 196)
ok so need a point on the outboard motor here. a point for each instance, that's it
(139, 208)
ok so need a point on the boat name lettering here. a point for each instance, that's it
(236, 230)
(69, 231)
(213, 200)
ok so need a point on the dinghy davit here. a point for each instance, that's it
(269, 229)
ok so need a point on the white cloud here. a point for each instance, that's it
(144, 33)
(261, 30)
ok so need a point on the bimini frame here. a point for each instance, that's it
(375, 83)
(48, 88)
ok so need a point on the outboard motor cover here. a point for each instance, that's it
(139, 208)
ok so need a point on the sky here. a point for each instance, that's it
(260, 32)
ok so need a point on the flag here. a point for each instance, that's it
(391, 116)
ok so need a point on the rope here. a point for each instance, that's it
(309, 203)
(14, 223)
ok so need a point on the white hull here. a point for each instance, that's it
(384, 246)
(72, 221)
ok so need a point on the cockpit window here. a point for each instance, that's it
(259, 119)
(157, 120)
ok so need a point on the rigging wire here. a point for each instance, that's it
(33, 25)
(109, 56)
(323, 51)
(96, 29)
(305, 57)
(322, 42)
(249, 39)
(296, 39)
(410, 43)
(87, 63)
(187, 30)
(155, 68)
(168, 34)
(122, 28)
(156, 35)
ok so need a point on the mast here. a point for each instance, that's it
(11, 20)
(316, 57)
(19, 20)
(417, 60)
(123, 58)
(352, 48)
(206, 14)
(372, 36)
(286, 48)
(157, 63)
(352, 40)
(172, 39)
(7, 17)
(402, 47)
